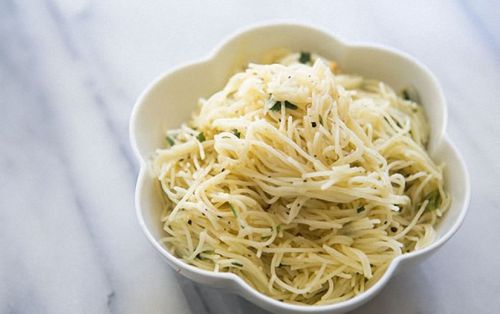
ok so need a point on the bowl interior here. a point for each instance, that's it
(170, 100)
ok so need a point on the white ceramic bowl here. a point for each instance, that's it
(172, 97)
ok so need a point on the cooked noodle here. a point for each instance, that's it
(301, 180)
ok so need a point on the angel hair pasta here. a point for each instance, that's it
(303, 181)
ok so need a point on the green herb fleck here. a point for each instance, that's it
(406, 95)
(305, 57)
(265, 238)
(278, 228)
(434, 199)
(236, 133)
(237, 264)
(277, 105)
(201, 137)
(360, 209)
(235, 213)
(170, 140)
(320, 120)
(289, 105)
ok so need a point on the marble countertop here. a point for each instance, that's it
(70, 72)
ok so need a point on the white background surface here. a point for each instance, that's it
(70, 72)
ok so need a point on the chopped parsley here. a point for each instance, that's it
(236, 133)
(235, 213)
(410, 94)
(289, 105)
(237, 264)
(406, 95)
(201, 137)
(170, 140)
(434, 199)
(360, 209)
(305, 57)
(277, 105)
(313, 124)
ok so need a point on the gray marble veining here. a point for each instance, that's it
(69, 74)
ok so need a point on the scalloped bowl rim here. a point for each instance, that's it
(231, 277)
